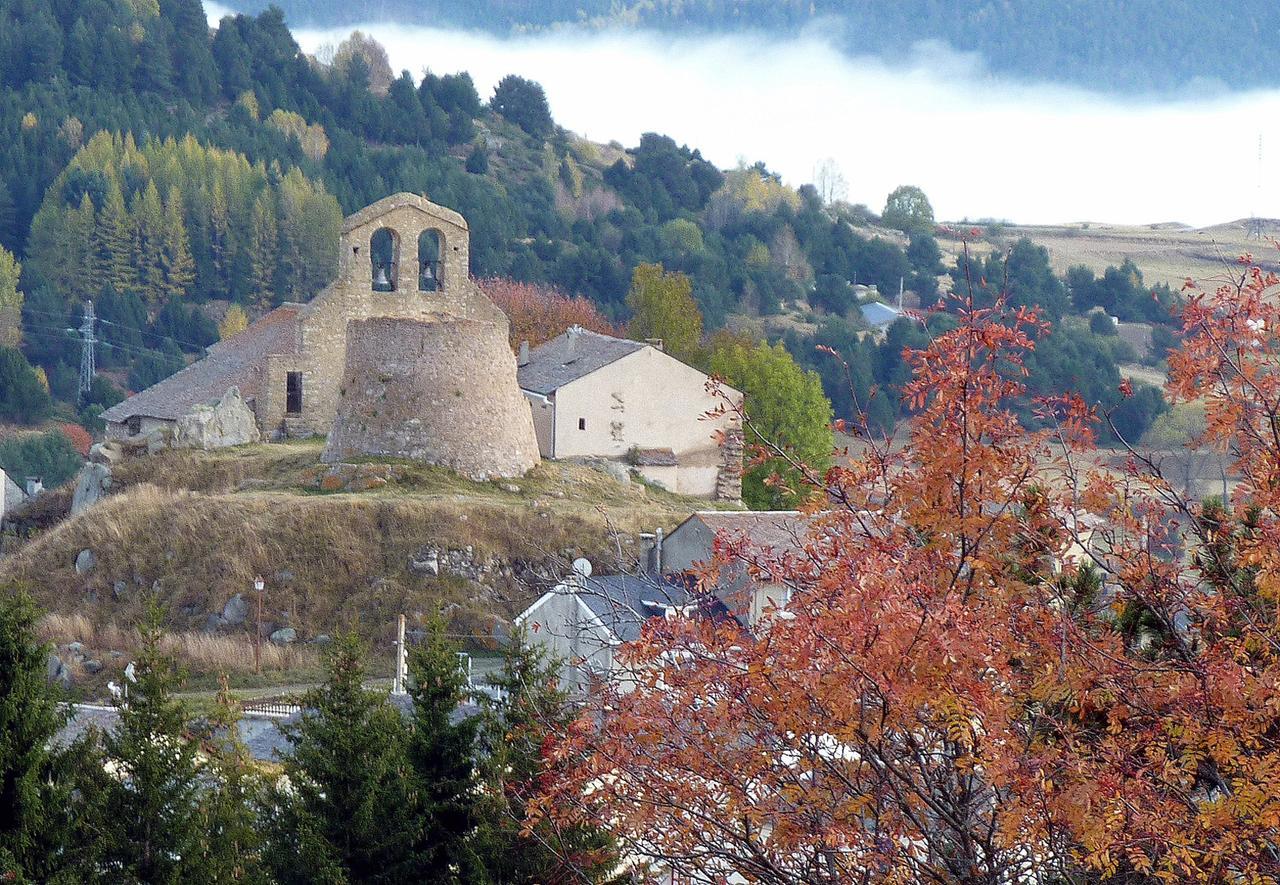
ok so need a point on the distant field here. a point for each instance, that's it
(1166, 253)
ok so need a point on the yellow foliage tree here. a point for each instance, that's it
(234, 321)
(10, 300)
(662, 306)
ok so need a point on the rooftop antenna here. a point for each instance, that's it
(1255, 226)
(88, 368)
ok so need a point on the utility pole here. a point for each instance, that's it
(402, 659)
(88, 368)
(258, 585)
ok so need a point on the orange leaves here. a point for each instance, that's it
(991, 655)
(538, 313)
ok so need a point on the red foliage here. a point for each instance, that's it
(539, 313)
(80, 438)
(998, 663)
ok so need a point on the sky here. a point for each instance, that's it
(980, 146)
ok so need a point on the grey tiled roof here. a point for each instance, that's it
(877, 314)
(232, 363)
(571, 356)
(624, 602)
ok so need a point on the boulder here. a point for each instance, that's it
(235, 611)
(284, 636)
(108, 452)
(56, 671)
(228, 422)
(85, 562)
(214, 623)
(92, 666)
(91, 486)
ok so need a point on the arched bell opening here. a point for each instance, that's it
(384, 258)
(430, 261)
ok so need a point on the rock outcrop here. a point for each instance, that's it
(228, 422)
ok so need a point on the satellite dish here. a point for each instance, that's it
(582, 567)
(128, 673)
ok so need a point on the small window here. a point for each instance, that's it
(293, 393)
(135, 425)
(582, 423)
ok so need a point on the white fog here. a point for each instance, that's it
(980, 147)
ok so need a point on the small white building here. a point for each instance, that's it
(584, 620)
(596, 396)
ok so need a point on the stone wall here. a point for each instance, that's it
(441, 391)
(321, 348)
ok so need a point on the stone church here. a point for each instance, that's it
(403, 257)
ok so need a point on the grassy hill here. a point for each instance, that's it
(1167, 253)
(337, 550)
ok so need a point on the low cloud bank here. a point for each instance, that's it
(980, 146)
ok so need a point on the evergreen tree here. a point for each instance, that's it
(343, 818)
(531, 711)
(36, 798)
(441, 752)
(152, 810)
(263, 248)
(22, 397)
(112, 243)
(148, 244)
(231, 841)
(179, 269)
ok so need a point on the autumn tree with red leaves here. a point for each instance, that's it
(1000, 662)
(539, 313)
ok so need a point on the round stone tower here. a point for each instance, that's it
(443, 392)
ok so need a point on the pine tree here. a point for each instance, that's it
(342, 819)
(152, 811)
(442, 754)
(263, 248)
(77, 250)
(112, 243)
(179, 269)
(35, 792)
(231, 841)
(148, 244)
(531, 711)
(220, 243)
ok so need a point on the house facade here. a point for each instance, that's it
(584, 620)
(596, 396)
(752, 533)
(402, 257)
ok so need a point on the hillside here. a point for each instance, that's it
(1167, 253)
(1048, 40)
(191, 529)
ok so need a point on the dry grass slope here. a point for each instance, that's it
(195, 528)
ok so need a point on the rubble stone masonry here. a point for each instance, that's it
(441, 391)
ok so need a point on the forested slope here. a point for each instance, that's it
(182, 177)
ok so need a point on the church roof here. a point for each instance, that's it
(231, 363)
(568, 357)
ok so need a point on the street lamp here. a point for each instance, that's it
(258, 585)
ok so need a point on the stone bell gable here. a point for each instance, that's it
(402, 257)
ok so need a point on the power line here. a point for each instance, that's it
(180, 342)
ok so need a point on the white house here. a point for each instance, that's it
(583, 620)
(596, 396)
